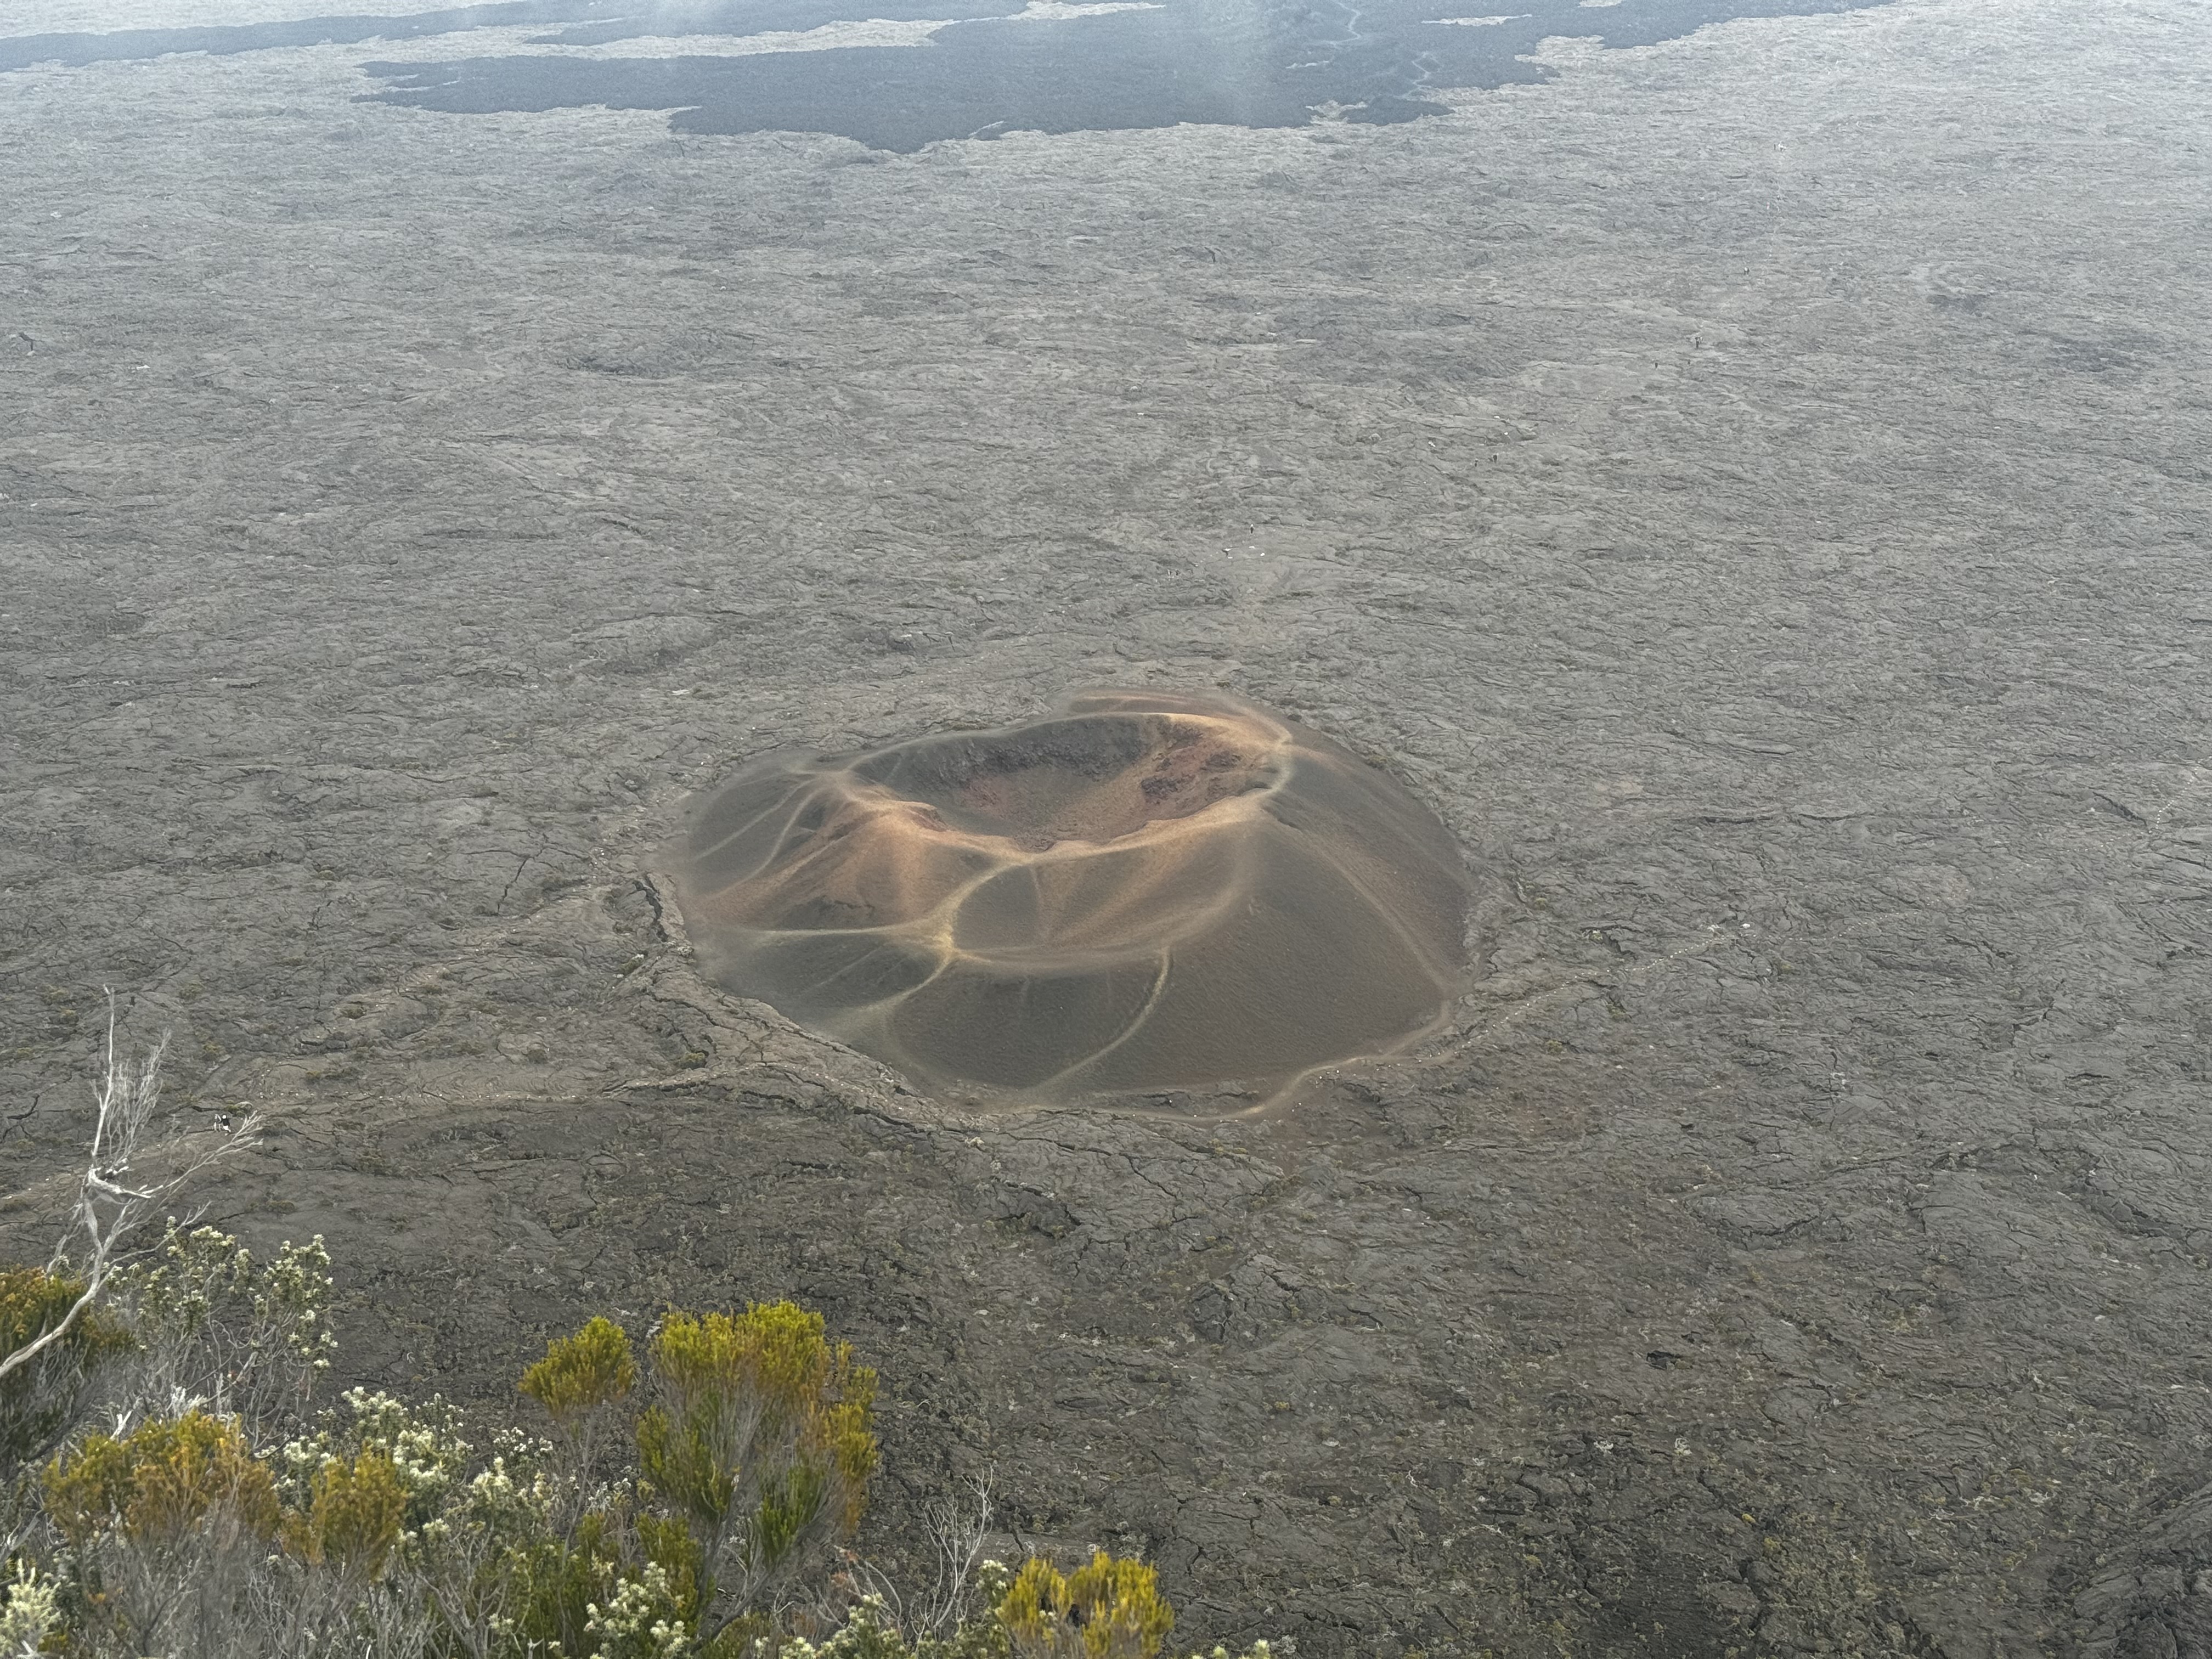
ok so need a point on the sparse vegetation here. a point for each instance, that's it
(112, 1201)
(385, 1527)
(43, 1398)
(174, 1491)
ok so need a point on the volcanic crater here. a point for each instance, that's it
(1135, 892)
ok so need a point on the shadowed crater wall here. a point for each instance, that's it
(1135, 893)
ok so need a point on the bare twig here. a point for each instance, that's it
(111, 1203)
(958, 1532)
(958, 1526)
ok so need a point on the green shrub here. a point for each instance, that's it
(1111, 1606)
(587, 1372)
(1110, 1609)
(352, 1519)
(584, 1382)
(167, 1525)
(161, 1483)
(761, 1439)
(39, 1402)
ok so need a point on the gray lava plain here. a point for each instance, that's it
(1752, 486)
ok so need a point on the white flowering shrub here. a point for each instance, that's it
(30, 1612)
(425, 1442)
(643, 1618)
(216, 1327)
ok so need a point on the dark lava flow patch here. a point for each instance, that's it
(990, 71)
(1200, 61)
(1139, 892)
(78, 48)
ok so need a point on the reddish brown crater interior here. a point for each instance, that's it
(1186, 769)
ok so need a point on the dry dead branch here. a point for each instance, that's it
(112, 1202)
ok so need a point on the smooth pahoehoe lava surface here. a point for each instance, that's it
(1135, 892)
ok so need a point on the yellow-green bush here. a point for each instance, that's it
(587, 1372)
(762, 1439)
(160, 1482)
(1110, 1609)
(353, 1517)
(39, 1399)
(1111, 1606)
